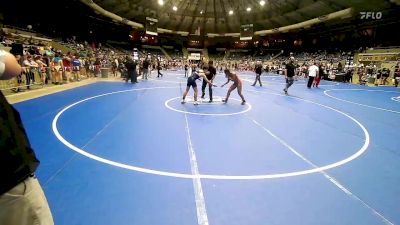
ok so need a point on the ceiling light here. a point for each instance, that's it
(175, 8)
(262, 2)
(248, 9)
(161, 2)
(230, 12)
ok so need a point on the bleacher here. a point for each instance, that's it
(174, 53)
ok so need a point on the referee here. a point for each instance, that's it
(210, 74)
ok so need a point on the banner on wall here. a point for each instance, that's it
(378, 57)
(246, 32)
(151, 26)
(195, 56)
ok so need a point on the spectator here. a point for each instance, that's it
(57, 68)
(258, 71)
(396, 75)
(385, 75)
(349, 75)
(76, 67)
(313, 72)
(67, 62)
(131, 67)
(289, 74)
(41, 68)
(319, 76)
(30, 67)
(146, 65)
(47, 61)
(159, 69)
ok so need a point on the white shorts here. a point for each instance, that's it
(25, 204)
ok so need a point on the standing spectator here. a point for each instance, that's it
(30, 67)
(131, 67)
(116, 62)
(22, 201)
(67, 62)
(349, 75)
(47, 60)
(258, 71)
(114, 67)
(340, 67)
(266, 68)
(319, 76)
(396, 75)
(313, 71)
(360, 73)
(96, 67)
(89, 66)
(385, 75)
(58, 68)
(76, 64)
(146, 65)
(289, 74)
(83, 70)
(122, 69)
(159, 69)
(41, 68)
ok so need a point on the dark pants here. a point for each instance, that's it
(159, 73)
(289, 82)
(258, 78)
(131, 76)
(348, 78)
(203, 89)
(48, 75)
(30, 76)
(385, 80)
(310, 81)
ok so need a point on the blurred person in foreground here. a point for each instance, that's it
(22, 201)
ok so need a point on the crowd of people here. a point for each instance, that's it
(44, 64)
(379, 76)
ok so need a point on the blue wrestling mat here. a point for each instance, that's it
(115, 153)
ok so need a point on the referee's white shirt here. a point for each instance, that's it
(313, 70)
